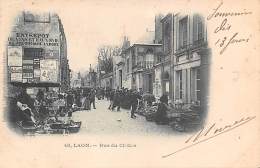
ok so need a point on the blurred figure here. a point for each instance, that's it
(134, 102)
(92, 98)
(161, 114)
(111, 98)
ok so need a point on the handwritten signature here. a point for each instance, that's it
(211, 132)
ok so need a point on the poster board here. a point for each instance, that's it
(49, 70)
(15, 55)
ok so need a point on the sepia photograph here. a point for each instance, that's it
(157, 84)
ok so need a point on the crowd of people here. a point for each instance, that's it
(29, 109)
(133, 99)
(125, 98)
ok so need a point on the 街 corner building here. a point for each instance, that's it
(37, 53)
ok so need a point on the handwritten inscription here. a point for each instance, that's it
(217, 13)
(211, 132)
(233, 38)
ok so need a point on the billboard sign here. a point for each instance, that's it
(15, 55)
(49, 70)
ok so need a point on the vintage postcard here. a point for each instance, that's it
(112, 83)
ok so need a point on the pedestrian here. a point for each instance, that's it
(120, 96)
(92, 98)
(134, 102)
(87, 100)
(116, 100)
(78, 101)
(69, 99)
(111, 98)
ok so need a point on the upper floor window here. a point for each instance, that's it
(183, 32)
(127, 65)
(198, 32)
(167, 37)
(133, 58)
(33, 17)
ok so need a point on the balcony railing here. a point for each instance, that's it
(145, 65)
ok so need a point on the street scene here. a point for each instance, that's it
(105, 121)
(155, 85)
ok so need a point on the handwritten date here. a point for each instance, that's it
(225, 42)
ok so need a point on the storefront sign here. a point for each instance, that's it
(33, 39)
(14, 55)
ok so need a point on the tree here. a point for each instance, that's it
(105, 57)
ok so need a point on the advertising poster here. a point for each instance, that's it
(28, 68)
(15, 55)
(37, 73)
(16, 69)
(27, 75)
(49, 70)
(16, 77)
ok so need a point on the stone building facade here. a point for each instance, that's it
(37, 52)
(191, 59)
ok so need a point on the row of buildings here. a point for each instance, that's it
(176, 62)
(37, 53)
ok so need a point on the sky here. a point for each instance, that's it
(88, 28)
(90, 24)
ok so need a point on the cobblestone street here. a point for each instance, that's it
(103, 121)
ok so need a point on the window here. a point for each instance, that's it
(180, 84)
(198, 84)
(197, 28)
(167, 37)
(32, 53)
(200, 30)
(134, 60)
(127, 65)
(38, 18)
(183, 32)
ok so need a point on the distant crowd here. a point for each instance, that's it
(124, 98)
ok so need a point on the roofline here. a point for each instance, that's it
(165, 17)
(146, 44)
